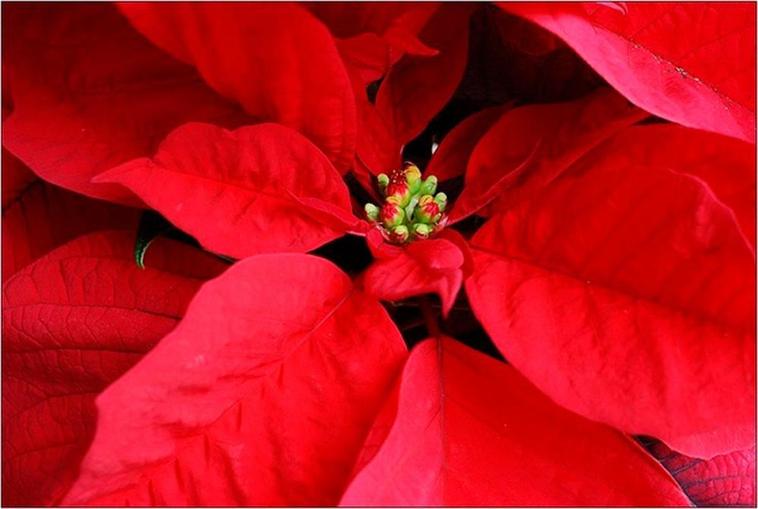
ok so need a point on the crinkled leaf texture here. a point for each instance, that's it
(73, 322)
(469, 430)
(727, 479)
(690, 62)
(436, 265)
(259, 189)
(90, 93)
(276, 59)
(261, 396)
(625, 291)
(528, 147)
(38, 217)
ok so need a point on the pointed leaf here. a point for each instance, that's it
(277, 60)
(536, 143)
(692, 63)
(453, 154)
(90, 93)
(73, 322)
(261, 396)
(372, 36)
(625, 291)
(427, 266)
(469, 430)
(258, 189)
(417, 87)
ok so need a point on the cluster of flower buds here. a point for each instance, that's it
(411, 209)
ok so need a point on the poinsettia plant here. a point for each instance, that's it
(378, 254)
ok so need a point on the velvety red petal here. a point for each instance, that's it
(469, 430)
(38, 217)
(453, 154)
(724, 480)
(625, 291)
(428, 266)
(73, 322)
(276, 59)
(372, 36)
(530, 146)
(726, 165)
(262, 395)
(693, 63)
(258, 189)
(378, 150)
(90, 93)
(417, 87)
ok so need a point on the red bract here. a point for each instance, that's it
(90, 93)
(74, 322)
(463, 422)
(434, 266)
(692, 63)
(38, 217)
(262, 395)
(232, 47)
(211, 183)
(631, 281)
(606, 255)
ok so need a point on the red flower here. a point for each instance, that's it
(608, 255)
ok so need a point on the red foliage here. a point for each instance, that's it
(608, 254)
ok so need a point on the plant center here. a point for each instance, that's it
(411, 210)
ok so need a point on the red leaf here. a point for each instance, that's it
(693, 63)
(277, 60)
(378, 151)
(38, 217)
(428, 266)
(258, 189)
(454, 152)
(530, 146)
(625, 292)
(728, 479)
(261, 396)
(469, 430)
(417, 87)
(372, 36)
(90, 93)
(726, 165)
(73, 322)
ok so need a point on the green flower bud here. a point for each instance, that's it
(422, 231)
(372, 211)
(399, 234)
(441, 200)
(412, 176)
(383, 180)
(429, 186)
